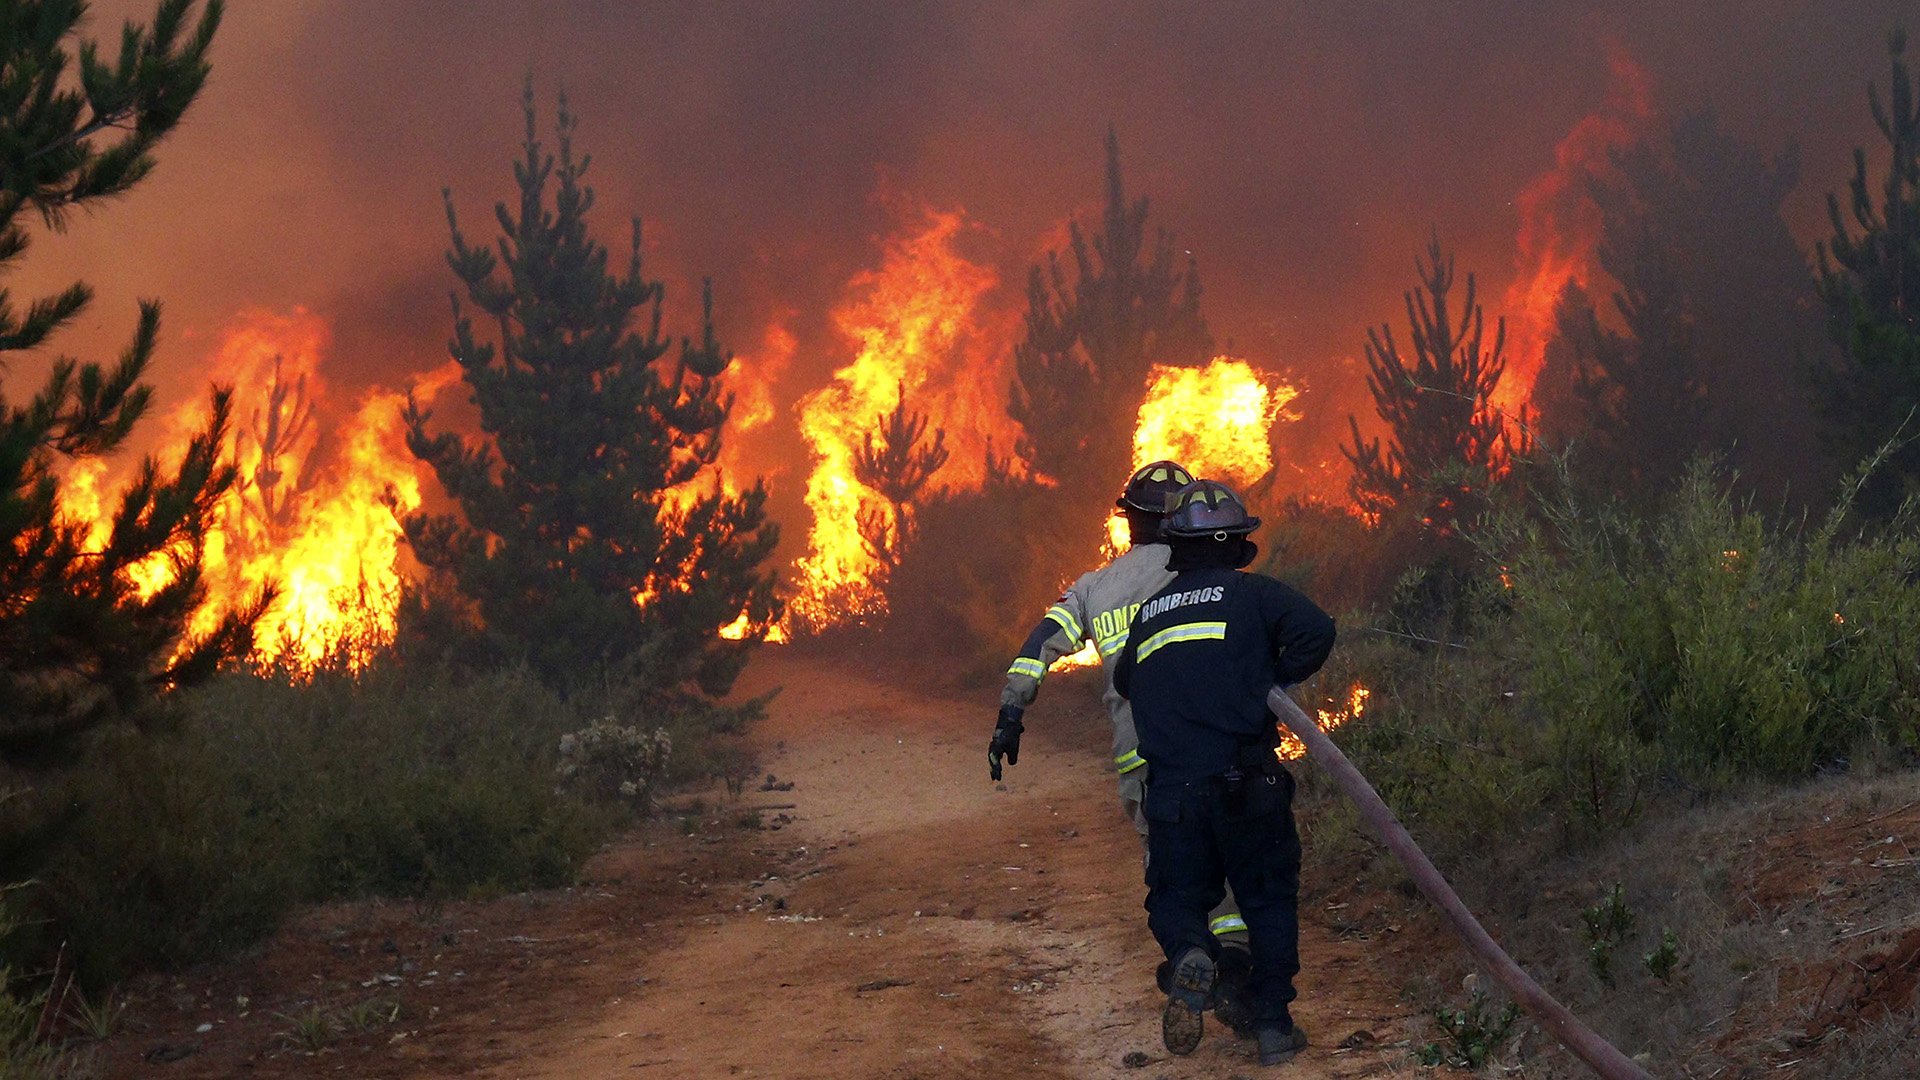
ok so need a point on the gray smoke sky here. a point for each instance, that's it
(1301, 150)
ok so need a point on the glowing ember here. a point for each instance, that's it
(1291, 748)
(917, 325)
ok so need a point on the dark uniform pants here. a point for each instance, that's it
(1202, 836)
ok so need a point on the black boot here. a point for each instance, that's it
(1278, 1044)
(1184, 1020)
(1230, 996)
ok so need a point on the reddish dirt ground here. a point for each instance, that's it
(909, 919)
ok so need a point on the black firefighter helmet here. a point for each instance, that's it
(1153, 486)
(1208, 509)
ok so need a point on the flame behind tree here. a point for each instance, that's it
(1092, 342)
(920, 329)
(277, 431)
(314, 515)
(897, 467)
(1561, 225)
(1448, 442)
(567, 521)
(82, 643)
(1717, 315)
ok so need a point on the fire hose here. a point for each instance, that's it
(1599, 1054)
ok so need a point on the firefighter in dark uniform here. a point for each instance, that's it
(1198, 663)
(1099, 608)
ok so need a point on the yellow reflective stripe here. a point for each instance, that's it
(1227, 924)
(1129, 761)
(1112, 643)
(1028, 666)
(1193, 631)
(1066, 620)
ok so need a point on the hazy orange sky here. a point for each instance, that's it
(1301, 151)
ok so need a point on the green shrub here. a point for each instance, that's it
(21, 1055)
(1661, 962)
(173, 848)
(1607, 924)
(1471, 1033)
(1596, 655)
(1708, 643)
(615, 761)
(1437, 737)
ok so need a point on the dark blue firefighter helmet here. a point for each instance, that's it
(1153, 485)
(1208, 508)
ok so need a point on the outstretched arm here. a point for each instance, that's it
(1058, 634)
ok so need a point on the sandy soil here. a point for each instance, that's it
(903, 917)
(1006, 918)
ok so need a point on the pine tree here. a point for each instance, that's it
(570, 542)
(1092, 339)
(892, 463)
(1447, 440)
(277, 482)
(1640, 398)
(1718, 317)
(81, 645)
(1871, 285)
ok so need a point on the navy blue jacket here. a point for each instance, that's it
(1200, 658)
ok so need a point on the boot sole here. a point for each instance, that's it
(1184, 1021)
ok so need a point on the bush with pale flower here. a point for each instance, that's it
(610, 760)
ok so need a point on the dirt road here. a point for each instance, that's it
(910, 919)
(943, 925)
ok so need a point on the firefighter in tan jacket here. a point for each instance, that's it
(1099, 607)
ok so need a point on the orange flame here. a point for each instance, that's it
(1216, 420)
(1292, 749)
(315, 509)
(749, 381)
(918, 324)
(1560, 226)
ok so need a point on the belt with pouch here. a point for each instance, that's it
(1254, 762)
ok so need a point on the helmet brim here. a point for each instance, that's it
(1242, 529)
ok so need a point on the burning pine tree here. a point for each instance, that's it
(892, 462)
(574, 548)
(95, 616)
(1716, 317)
(276, 430)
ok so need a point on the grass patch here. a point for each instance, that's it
(183, 846)
(1589, 727)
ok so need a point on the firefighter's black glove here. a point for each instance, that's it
(1006, 739)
